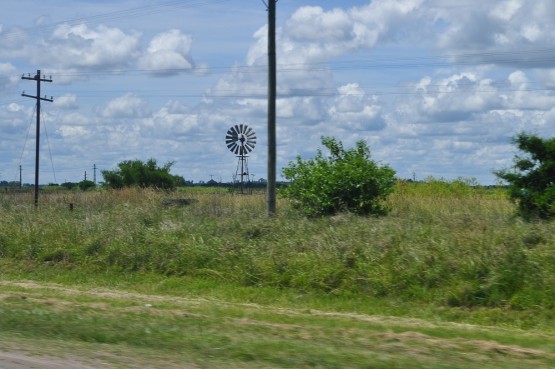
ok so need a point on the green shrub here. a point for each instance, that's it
(86, 185)
(532, 178)
(136, 173)
(345, 181)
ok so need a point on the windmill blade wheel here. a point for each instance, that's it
(240, 139)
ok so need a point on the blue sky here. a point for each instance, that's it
(436, 87)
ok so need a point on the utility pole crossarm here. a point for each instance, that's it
(39, 98)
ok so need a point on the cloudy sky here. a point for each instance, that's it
(436, 87)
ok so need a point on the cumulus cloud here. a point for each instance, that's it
(126, 106)
(8, 77)
(450, 121)
(68, 101)
(171, 121)
(510, 32)
(455, 98)
(468, 96)
(72, 131)
(168, 53)
(313, 34)
(78, 46)
(354, 110)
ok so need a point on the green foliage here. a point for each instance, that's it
(532, 178)
(347, 180)
(180, 181)
(136, 173)
(457, 248)
(86, 185)
(69, 185)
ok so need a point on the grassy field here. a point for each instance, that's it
(449, 279)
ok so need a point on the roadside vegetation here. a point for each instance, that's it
(446, 252)
(532, 178)
(346, 180)
(455, 276)
(448, 244)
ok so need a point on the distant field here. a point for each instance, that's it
(449, 279)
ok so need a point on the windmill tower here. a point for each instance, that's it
(240, 140)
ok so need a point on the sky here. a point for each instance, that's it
(436, 88)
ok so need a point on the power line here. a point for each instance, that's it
(325, 92)
(146, 10)
(347, 65)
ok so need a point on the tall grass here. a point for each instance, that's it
(445, 243)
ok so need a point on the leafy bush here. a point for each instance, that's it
(136, 173)
(347, 180)
(86, 185)
(532, 178)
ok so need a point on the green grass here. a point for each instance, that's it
(449, 279)
(169, 330)
(447, 244)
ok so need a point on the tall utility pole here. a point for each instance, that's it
(271, 185)
(39, 79)
(20, 180)
(94, 174)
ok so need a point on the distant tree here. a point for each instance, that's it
(86, 185)
(142, 174)
(9, 184)
(531, 180)
(180, 181)
(69, 185)
(346, 180)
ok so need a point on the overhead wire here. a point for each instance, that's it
(348, 65)
(536, 56)
(26, 137)
(49, 151)
(149, 10)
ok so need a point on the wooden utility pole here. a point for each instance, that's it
(39, 79)
(272, 82)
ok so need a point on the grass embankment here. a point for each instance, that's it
(446, 252)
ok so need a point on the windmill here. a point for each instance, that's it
(240, 140)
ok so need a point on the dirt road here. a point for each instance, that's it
(19, 360)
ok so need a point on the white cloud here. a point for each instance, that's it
(74, 119)
(126, 106)
(513, 32)
(172, 121)
(72, 131)
(353, 109)
(454, 98)
(8, 77)
(13, 107)
(505, 10)
(547, 76)
(78, 46)
(445, 116)
(68, 101)
(312, 34)
(168, 53)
